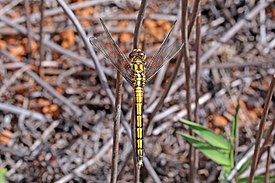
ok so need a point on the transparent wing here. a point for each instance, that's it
(164, 54)
(113, 54)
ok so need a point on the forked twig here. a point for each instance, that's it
(193, 16)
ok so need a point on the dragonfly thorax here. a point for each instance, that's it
(138, 72)
(137, 60)
(138, 66)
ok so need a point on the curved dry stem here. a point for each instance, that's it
(90, 49)
(139, 23)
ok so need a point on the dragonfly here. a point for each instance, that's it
(137, 71)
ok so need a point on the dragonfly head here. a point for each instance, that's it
(137, 53)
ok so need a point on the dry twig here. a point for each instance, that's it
(116, 137)
(260, 131)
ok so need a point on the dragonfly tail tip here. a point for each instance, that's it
(139, 164)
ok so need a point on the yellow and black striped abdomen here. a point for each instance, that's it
(139, 123)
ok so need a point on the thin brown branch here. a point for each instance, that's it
(139, 23)
(198, 66)
(116, 137)
(28, 25)
(260, 131)
(184, 32)
(186, 56)
(268, 161)
(41, 36)
(197, 81)
(193, 16)
(268, 138)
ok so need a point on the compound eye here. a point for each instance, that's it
(131, 55)
(141, 53)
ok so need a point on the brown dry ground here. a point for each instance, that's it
(33, 150)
